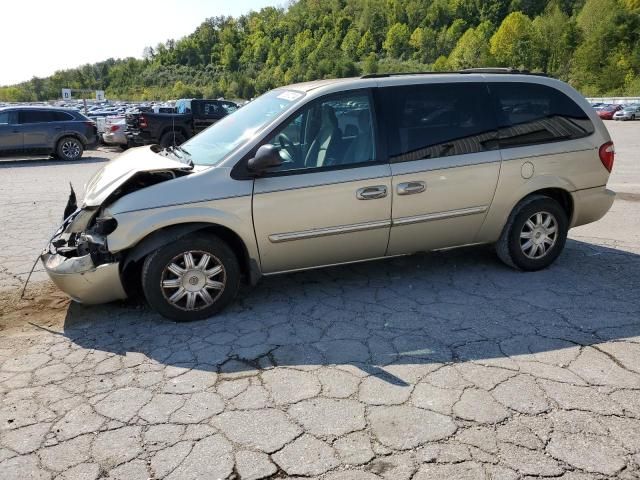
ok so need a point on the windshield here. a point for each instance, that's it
(213, 144)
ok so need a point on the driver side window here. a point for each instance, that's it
(332, 132)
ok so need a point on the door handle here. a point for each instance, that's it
(409, 188)
(371, 193)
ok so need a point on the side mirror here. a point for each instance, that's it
(266, 157)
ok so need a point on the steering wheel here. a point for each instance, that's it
(287, 145)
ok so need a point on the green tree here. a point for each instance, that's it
(554, 41)
(513, 43)
(350, 43)
(423, 41)
(229, 58)
(370, 64)
(397, 42)
(609, 38)
(472, 50)
(367, 45)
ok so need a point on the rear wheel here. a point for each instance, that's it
(192, 278)
(535, 234)
(170, 138)
(69, 148)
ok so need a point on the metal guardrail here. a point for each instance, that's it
(614, 100)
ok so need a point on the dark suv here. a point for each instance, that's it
(60, 132)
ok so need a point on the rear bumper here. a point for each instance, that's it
(84, 282)
(112, 139)
(139, 139)
(591, 204)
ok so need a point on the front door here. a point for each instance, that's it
(10, 134)
(330, 201)
(445, 163)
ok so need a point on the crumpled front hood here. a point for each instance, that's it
(115, 173)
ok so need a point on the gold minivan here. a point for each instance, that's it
(337, 171)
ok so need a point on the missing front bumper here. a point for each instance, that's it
(84, 282)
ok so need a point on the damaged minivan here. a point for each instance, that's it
(338, 171)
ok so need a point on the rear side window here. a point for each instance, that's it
(530, 114)
(437, 120)
(212, 109)
(62, 117)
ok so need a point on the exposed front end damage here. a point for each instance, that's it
(77, 258)
(78, 261)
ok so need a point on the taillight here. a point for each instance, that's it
(142, 122)
(607, 154)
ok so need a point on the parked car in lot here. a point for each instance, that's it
(630, 112)
(305, 176)
(63, 133)
(607, 112)
(115, 134)
(167, 129)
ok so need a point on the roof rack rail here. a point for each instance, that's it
(491, 70)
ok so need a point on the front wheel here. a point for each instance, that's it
(192, 278)
(534, 235)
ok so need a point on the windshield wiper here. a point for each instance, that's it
(174, 150)
(182, 149)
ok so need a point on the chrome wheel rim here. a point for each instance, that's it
(538, 235)
(193, 280)
(71, 149)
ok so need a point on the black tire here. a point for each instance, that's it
(123, 147)
(69, 148)
(511, 247)
(168, 139)
(155, 272)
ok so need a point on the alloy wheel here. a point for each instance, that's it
(193, 280)
(71, 149)
(538, 235)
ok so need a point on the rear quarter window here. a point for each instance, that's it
(531, 114)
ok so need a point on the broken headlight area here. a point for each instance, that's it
(84, 233)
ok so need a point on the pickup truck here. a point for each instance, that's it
(167, 129)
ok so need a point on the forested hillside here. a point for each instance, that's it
(593, 44)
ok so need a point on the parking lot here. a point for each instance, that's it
(438, 366)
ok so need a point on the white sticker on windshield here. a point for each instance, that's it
(290, 95)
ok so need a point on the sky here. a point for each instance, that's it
(42, 36)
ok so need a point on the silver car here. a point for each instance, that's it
(115, 134)
(338, 171)
(630, 112)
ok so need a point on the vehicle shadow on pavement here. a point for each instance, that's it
(430, 309)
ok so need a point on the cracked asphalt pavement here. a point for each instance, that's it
(438, 366)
